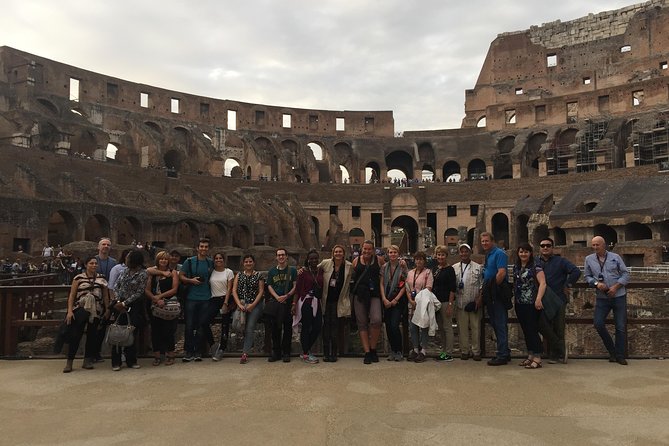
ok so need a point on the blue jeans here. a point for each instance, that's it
(602, 309)
(419, 336)
(197, 315)
(499, 320)
(250, 327)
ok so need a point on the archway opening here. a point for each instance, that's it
(404, 233)
(521, 229)
(540, 232)
(129, 229)
(451, 172)
(476, 170)
(345, 179)
(401, 161)
(372, 173)
(559, 236)
(396, 176)
(187, 233)
(61, 228)
(112, 149)
(610, 235)
(500, 229)
(637, 231)
(96, 227)
(229, 166)
(172, 160)
(317, 150)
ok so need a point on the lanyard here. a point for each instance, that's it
(602, 264)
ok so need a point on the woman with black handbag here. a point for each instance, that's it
(128, 305)
(87, 304)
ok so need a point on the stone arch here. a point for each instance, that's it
(61, 229)
(315, 229)
(49, 135)
(470, 237)
(127, 230)
(86, 142)
(610, 235)
(96, 227)
(241, 237)
(317, 150)
(540, 232)
(481, 122)
(426, 153)
(402, 161)
(216, 234)
(172, 160)
(555, 163)
(451, 171)
(187, 233)
(343, 154)
(49, 107)
(637, 231)
(372, 172)
(522, 232)
(503, 164)
(476, 169)
(355, 238)
(559, 236)
(500, 228)
(248, 172)
(229, 168)
(407, 238)
(531, 155)
(154, 127)
(182, 139)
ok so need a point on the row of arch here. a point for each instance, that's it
(64, 228)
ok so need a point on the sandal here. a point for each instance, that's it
(533, 365)
(525, 363)
(169, 360)
(156, 361)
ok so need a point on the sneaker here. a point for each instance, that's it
(116, 368)
(187, 358)
(197, 358)
(309, 359)
(135, 366)
(420, 357)
(412, 355)
(465, 356)
(498, 361)
(217, 356)
(399, 357)
(273, 358)
(391, 356)
(244, 359)
(621, 361)
(443, 356)
(99, 359)
(368, 358)
(565, 358)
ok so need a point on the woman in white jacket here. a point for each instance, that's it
(419, 279)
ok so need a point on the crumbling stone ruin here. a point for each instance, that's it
(564, 135)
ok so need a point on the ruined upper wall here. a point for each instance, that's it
(593, 67)
(28, 76)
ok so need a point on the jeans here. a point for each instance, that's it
(311, 326)
(196, 317)
(499, 320)
(250, 327)
(419, 336)
(393, 318)
(135, 318)
(602, 309)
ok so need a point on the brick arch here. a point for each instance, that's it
(401, 160)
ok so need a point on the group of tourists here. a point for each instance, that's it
(321, 298)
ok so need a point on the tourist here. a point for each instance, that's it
(444, 289)
(306, 307)
(105, 264)
(529, 286)
(607, 272)
(247, 290)
(87, 304)
(129, 301)
(469, 280)
(281, 286)
(418, 279)
(561, 275)
(161, 289)
(367, 299)
(393, 296)
(336, 301)
(221, 292)
(496, 296)
(195, 274)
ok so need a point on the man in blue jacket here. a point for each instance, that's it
(561, 275)
(607, 272)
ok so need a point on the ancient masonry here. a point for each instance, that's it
(564, 134)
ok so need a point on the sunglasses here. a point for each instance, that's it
(546, 245)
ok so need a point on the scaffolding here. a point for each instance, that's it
(591, 155)
(651, 142)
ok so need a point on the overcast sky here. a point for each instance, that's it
(415, 58)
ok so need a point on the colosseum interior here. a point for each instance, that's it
(565, 134)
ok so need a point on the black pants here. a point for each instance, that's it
(311, 326)
(80, 325)
(215, 304)
(528, 316)
(162, 334)
(281, 326)
(393, 317)
(330, 328)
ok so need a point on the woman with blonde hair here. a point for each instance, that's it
(161, 289)
(336, 301)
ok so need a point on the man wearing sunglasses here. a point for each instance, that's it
(560, 275)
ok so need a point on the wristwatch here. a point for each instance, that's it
(596, 283)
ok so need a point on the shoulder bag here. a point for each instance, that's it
(120, 335)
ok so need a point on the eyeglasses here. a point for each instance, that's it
(546, 245)
(281, 255)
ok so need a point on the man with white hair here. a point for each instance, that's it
(607, 272)
(469, 281)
